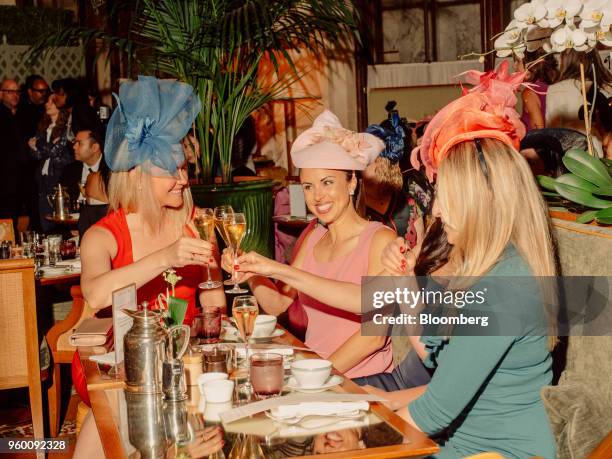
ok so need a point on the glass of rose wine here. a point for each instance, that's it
(204, 222)
(235, 228)
(221, 213)
(245, 311)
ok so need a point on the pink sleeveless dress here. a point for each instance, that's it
(328, 327)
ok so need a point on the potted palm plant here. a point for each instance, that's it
(217, 47)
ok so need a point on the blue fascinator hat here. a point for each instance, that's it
(147, 127)
(393, 138)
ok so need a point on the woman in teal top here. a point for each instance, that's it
(485, 391)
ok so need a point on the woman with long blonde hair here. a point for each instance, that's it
(485, 392)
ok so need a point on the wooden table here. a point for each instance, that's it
(72, 278)
(103, 392)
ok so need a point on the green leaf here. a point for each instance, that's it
(575, 181)
(547, 182)
(603, 191)
(551, 194)
(605, 213)
(587, 167)
(604, 220)
(587, 216)
(581, 197)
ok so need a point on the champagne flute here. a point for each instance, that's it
(245, 311)
(204, 222)
(235, 228)
(221, 213)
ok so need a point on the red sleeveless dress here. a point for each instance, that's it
(186, 289)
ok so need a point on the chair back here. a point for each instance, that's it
(19, 349)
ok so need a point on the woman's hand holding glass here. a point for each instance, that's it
(252, 263)
(397, 258)
(187, 251)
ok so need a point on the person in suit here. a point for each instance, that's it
(87, 177)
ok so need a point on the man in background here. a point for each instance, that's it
(31, 108)
(86, 178)
(12, 153)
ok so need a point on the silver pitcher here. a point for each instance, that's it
(59, 202)
(147, 345)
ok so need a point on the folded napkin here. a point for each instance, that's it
(285, 351)
(104, 359)
(92, 332)
(318, 408)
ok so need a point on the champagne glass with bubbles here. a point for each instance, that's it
(235, 229)
(245, 311)
(221, 213)
(204, 222)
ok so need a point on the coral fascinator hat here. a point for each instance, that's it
(485, 111)
(327, 145)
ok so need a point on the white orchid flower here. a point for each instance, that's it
(531, 14)
(568, 38)
(559, 11)
(606, 20)
(593, 12)
(510, 41)
(602, 36)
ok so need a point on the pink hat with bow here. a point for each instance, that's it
(327, 145)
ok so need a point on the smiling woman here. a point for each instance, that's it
(327, 269)
(149, 228)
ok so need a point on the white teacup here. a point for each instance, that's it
(212, 411)
(264, 326)
(311, 373)
(218, 391)
(212, 376)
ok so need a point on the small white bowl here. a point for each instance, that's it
(311, 373)
(264, 326)
(219, 391)
(212, 376)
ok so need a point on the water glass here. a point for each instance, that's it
(267, 374)
(208, 324)
(55, 243)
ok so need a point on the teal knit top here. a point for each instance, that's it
(485, 392)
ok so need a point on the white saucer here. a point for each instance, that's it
(333, 381)
(275, 334)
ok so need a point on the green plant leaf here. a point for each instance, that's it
(575, 181)
(581, 197)
(604, 220)
(603, 191)
(586, 217)
(551, 194)
(587, 167)
(605, 213)
(547, 182)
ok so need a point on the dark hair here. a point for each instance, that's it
(358, 196)
(548, 149)
(31, 79)
(570, 67)
(602, 114)
(60, 125)
(546, 70)
(435, 249)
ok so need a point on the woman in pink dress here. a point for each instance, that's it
(327, 269)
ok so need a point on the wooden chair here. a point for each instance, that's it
(19, 348)
(62, 352)
(7, 232)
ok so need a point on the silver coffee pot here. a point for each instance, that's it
(59, 202)
(147, 345)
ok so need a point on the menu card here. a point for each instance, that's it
(124, 298)
(271, 403)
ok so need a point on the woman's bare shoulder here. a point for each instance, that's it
(99, 239)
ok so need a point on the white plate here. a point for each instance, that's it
(333, 381)
(275, 334)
